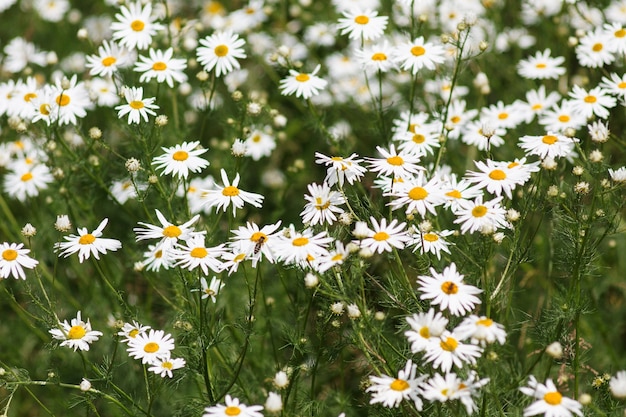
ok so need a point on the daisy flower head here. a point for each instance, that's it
(451, 351)
(448, 291)
(230, 194)
(549, 401)
(419, 139)
(194, 254)
(456, 190)
(24, 181)
(398, 164)
(111, 56)
(150, 346)
(135, 26)
(425, 329)
(562, 116)
(220, 52)
(305, 85)
(302, 248)
(418, 54)
(618, 175)
(417, 195)
(164, 366)
(362, 24)
(168, 233)
(233, 407)
(483, 135)
(596, 102)
(391, 391)
(72, 100)
(162, 66)
(157, 257)
(615, 84)
(495, 177)
(451, 387)
(481, 330)
(500, 115)
(617, 385)
(256, 242)
(376, 58)
(87, 244)
(485, 217)
(13, 260)
(431, 242)
(617, 37)
(181, 159)
(541, 67)
(593, 49)
(551, 145)
(335, 256)
(384, 237)
(322, 205)
(131, 330)
(341, 169)
(210, 289)
(136, 106)
(538, 101)
(76, 334)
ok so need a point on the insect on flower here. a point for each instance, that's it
(259, 244)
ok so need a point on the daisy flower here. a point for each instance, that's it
(425, 329)
(549, 401)
(481, 330)
(475, 133)
(560, 117)
(259, 144)
(390, 391)
(168, 233)
(256, 242)
(413, 56)
(376, 58)
(398, 164)
(458, 117)
(419, 139)
(615, 84)
(341, 169)
(383, 237)
(617, 37)
(231, 260)
(136, 106)
(617, 385)
(431, 242)
(456, 191)
(131, 330)
(211, 289)
(593, 49)
(335, 257)
(451, 387)
(87, 244)
(417, 195)
(485, 217)
(109, 59)
(502, 115)
(181, 159)
(293, 247)
(322, 205)
(156, 258)
(195, 254)
(165, 365)
(27, 181)
(233, 408)
(221, 51)
(552, 145)
(135, 26)
(593, 102)
(538, 101)
(72, 101)
(450, 351)
(618, 175)
(448, 291)
(362, 24)
(542, 66)
(150, 346)
(494, 176)
(230, 194)
(162, 66)
(77, 334)
(302, 84)
(13, 260)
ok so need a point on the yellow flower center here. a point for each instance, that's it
(320, 204)
(503, 116)
(395, 160)
(512, 165)
(136, 104)
(537, 106)
(158, 254)
(455, 119)
(484, 322)
(108, 61)
(380, 236)
(180, 156)
(621, 85)
(239, 257)
(549, 139)
(564, 118)
(63, 100)
(44, 109)
(232, 411)
(133, 333)
(256, 138)
(300, 241)
(597, 47)
(449, 287)
(449, 344)
(425, 332)
(151, 347)
(167, 365)
(361, 20)
(479, 211)
(172, 231)
(553, 398)
(137, 25)
(337, 257)
(418, 193)
(87, 239)
(399, 385)
(159, 66)
(431, 237)
(379, 56)
(198, 252)
(620, 33)
(454, 194)
(590, 99)
(256, 236)
(9, 255)
(302, 78)
(418, 138)
(76, 332)
(230, 191)
(418, 51)
(540, 65)
(29, 96)
(497, 174)
(221, 50)
(26, 177)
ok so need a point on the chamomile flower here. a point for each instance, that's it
(617, 385)
(230, 194)
(593, 102)
(552, 145)
(376, 58)
(398, 164)
(150, 346)
(425, 329)
(162, 66)
(561, 117)
(136, 106)
(26, 181)
(542, 66)
(419, 139)
(538, 101)
(362, 24)
(341, 169)
(87, 244)
(549, 401)
(256, 242)
(168, 232)
(618, 175)
(615, 84)
(302, 84)
(233, 408)
(451, 351)
(481, 330)
(294, 247)
(220, 52)
(485, 217)
(448, 291)
(164, 365)
(417, 195)
(72, 100)
(418, 54)
(194, 254)
(13, 260)
(431, 242)
(322, 205)
(131, 330)
(259, 144)
(391, 391)
(111, 56)
(135, 26)
(451, 387)
(494, 176)
(76, 334)
(593, 50)
(456, 191)
(211, 289)
(156, 258)
(335, 257)
(474, 133)
(384, 237)
(179, 160)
